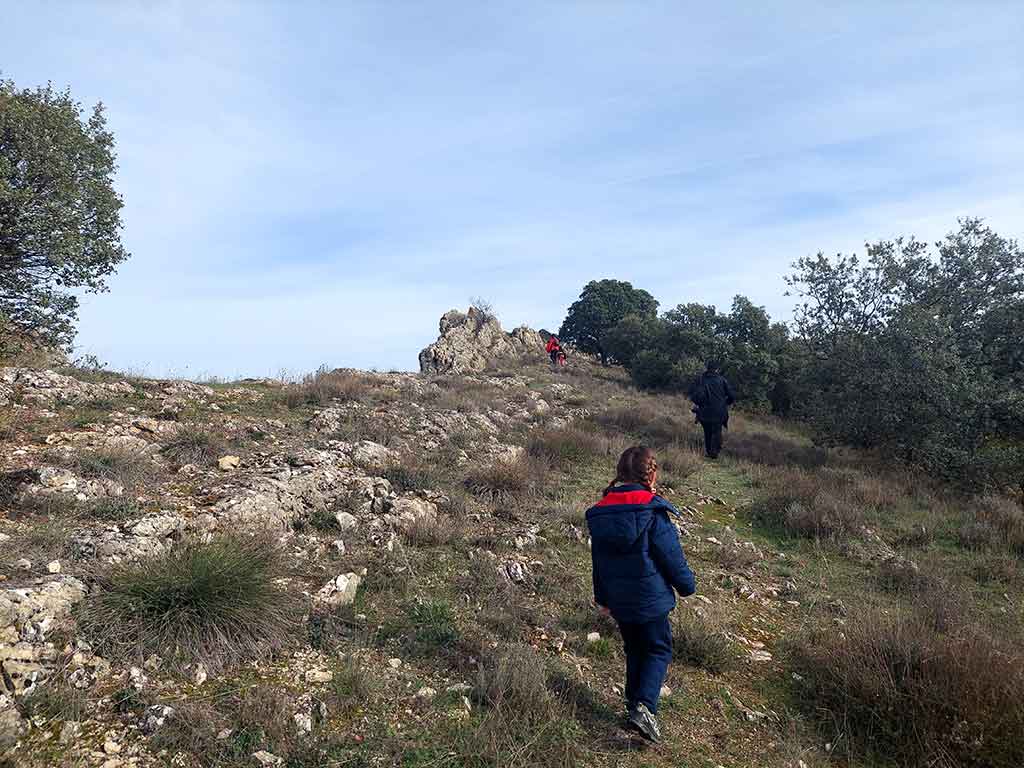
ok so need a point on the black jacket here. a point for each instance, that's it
(712, 395)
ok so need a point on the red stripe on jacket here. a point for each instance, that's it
(641, 498)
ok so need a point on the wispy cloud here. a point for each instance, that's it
(312, 183)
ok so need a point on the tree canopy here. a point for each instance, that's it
(60, 217)
(600, 307)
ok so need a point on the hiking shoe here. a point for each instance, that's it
(643, 720)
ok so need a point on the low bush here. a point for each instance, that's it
(54, 699)
(350, 687)
(657, 426)
(216, 603)
(433, 531)
(503, 481)
(827, 517)
(696, 642)
(130, 469)
(253, 717)
(567, 447)
(759, 447)
(902, 691)
(414, 472)
(812, 504)
(994, 522)
(675, 464)
(192, 444)
(432, 623)
(114, 509)
(523, 724)
(323, 387)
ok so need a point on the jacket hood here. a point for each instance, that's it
(619, 526)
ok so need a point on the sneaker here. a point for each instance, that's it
(643, 720)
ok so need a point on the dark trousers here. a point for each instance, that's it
(648, 649)
(712, 437)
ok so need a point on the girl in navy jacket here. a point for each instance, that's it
(638, 567)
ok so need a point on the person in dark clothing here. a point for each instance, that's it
(712, 395)
(639, 567)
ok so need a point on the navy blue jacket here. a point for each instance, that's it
(636, 553)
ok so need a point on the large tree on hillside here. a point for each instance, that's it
(919, 354)
(600, 307)
(60, 218)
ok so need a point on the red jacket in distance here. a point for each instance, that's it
(552, 345)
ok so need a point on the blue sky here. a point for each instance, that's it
(317, 182)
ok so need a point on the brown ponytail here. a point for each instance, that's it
(636, 465)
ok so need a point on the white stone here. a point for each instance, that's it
(200, 674)
(394, 663)
(426, 693)
(339, 591)
(111, 747)
(319, 676)
(267, 758)
(53, 566)
(346, 521)
(303, 722)
(227, 463)
(339, 546)
(593, 637)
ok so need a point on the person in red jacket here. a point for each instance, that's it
(553, 348)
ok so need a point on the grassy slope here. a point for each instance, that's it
(757, 598)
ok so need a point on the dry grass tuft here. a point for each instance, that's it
(433, 531)
(567, 447)
(994, 522)
(128, 468)
(900, 690)
(324, 387)
(524, 724)
(193, 444)
(503, 481)
(697, 642)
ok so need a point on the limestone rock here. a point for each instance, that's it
(407, 510)
(228, 463)
(468, 342)
(339, 591)
(372, 455)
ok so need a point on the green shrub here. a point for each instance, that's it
(433, 623)
(214, 603)
(115, 509)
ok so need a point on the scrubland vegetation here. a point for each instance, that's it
(850, 612)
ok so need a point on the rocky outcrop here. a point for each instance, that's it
(468, 342)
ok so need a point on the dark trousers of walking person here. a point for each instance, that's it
(712, 438)
(648, 649)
